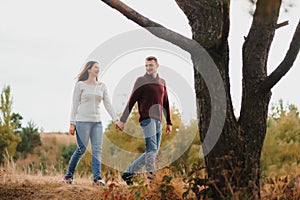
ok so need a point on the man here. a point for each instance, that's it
(151, 95)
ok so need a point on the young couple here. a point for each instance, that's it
(151, 95)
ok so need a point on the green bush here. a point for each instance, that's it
(84, 166)
(67, 152)
(30, 138)
(281, 148)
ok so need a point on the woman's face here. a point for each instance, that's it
(94, 71)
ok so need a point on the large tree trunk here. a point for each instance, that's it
(233, 165)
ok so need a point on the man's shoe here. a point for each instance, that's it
(67, 180)
(127, 177)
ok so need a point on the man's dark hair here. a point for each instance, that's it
(149, 58)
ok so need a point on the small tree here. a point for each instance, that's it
(8, 138)
(84, 166)
(15, 121)
(67, 152)
(282, 141)
(30, 138)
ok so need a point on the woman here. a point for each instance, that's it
(86, 120)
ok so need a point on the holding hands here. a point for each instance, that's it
(119, 125)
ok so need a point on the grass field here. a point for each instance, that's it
(16, 182)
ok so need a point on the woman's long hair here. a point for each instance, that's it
(84, 74)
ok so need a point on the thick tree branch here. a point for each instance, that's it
(255, 56)
(202, 25)
(285, 65)
(153, 27)
(282, 24)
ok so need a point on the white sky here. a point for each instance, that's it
(43, 45)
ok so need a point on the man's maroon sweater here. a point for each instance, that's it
(152, 98)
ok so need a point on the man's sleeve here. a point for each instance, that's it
(166, 106)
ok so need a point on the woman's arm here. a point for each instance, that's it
(75, 103)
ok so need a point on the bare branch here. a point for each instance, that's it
(285, 65)
(282, 24)
(153, 27)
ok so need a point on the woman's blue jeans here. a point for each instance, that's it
(152, 134)
(84, 132)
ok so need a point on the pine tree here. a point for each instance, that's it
(8, 138)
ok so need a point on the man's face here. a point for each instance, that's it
(151, 67)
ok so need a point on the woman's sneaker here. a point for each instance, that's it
(67, 180)
(151, 176)
(99, 182)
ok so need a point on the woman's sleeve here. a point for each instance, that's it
(108, 105)
(75, 103)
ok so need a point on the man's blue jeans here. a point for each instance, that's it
(152, 134)
(84, 131)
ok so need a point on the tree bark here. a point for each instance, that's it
(254, 109)
(210, 27)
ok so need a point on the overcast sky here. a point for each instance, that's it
(44, 44)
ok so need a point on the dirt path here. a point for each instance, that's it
(29, 187)
(49, 191)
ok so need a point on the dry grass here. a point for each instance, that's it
(51, 145)
(56, 138)
(17, 183)
(281, 187)
(14, 185)
(18, 186)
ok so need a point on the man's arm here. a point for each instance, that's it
(167, 111)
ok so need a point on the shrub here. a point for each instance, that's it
(30, 138)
